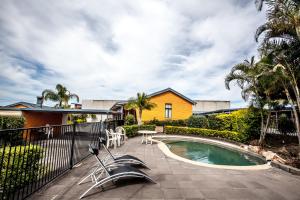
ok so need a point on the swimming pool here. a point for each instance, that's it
(211, 153)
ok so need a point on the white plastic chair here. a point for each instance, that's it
(49, 131)
(111, 139)
(122, 133)
(117, 135)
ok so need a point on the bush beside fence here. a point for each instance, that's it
(11, 122)
(231, 135)
(38, 157)
(20, 167)
(132, 130)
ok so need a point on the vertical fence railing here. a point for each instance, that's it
(31, 158)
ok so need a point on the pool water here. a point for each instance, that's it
(211, 154)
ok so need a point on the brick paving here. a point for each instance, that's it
(176, 180)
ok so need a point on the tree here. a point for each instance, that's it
(140, 103)
(281, 41)
(283, 19)
(246, 75)
(61, 95)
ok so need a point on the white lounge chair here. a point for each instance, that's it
(112, 174)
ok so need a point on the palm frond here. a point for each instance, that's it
(259, 4)
(50, 95)
(260, 30)
(131, 104)
(74, 96)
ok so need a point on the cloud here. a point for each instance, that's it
(112, 49)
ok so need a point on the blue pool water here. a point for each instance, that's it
(211, 154)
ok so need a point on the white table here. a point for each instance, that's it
(146, 135)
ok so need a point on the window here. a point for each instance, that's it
(168, 110)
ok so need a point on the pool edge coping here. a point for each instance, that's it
(163, 147)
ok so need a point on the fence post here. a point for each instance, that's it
(72, 145)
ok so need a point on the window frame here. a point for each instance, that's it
(168, 110)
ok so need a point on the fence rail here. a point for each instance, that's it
(31, 158)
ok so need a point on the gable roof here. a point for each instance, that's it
(174, 92)
(60, 110)
(25, 104)
(123, 102)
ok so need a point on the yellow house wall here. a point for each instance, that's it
(181, 109)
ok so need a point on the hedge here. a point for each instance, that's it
(21, 164)
(231, 135)
(132, 130)
(178, 122)
(11, 122)
(245, 121)
(197, 122)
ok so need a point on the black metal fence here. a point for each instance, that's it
(286, 128)
(31, 158)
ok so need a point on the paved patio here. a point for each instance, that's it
(177, 180)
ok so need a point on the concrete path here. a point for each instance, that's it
(176, 180)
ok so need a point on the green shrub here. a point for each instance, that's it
(252, 120)
(231, 135)
(245, 121)
(20, 166)
(11, 122)
(130, 120)
(197, 122)
(13, 137)
(155, 122)
(132, 130)
(178, 122)
(214, 122)
(93, 116)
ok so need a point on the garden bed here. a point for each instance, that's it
(285, 147)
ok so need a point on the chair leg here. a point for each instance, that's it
(91, 174)
(107, 143)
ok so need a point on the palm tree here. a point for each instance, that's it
(61, 95)
(283, 19)
(142, 102)
(246, 75)
(282, 42)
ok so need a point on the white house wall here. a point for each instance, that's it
(10, 113)
(98, 104)
(205, 106)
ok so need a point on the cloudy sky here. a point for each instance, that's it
(111, 49)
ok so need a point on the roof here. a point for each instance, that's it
(118, 104)
(227, 101)
(173, 91)
(59, 110)
(121, 103)
(26, 104)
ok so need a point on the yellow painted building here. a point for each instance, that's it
(170, 105)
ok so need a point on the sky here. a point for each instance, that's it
(112, 49)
